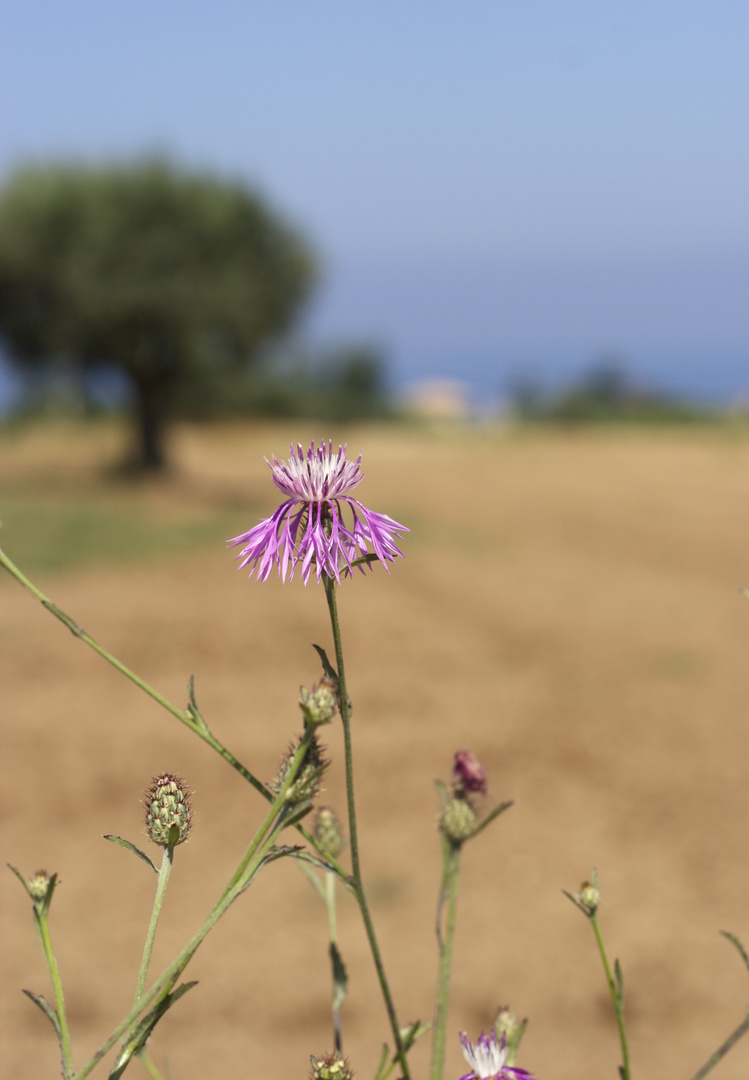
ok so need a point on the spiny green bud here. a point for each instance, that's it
(330, 1067)
(589, 897)
(327, 832)
(307, 783)
(168, 811)
(38, 886)
(319, 704)
(458, 820)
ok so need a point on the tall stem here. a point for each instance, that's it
(451, 872)
(616, 997)
(345, 708)
(166, 866)
(42, 926)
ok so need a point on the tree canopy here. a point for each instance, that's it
(164, 274)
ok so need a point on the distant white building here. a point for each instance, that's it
(438, 399)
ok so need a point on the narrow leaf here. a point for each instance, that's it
(382, 1062)
(135, 850)
(46, 1008)
(20, 877)
(576, 902)
(415, 1032)
(307, 859)
(192, 709)
(327, 667)
(737, 944)
(145, 1028)
(619, 979)
(340, 979)
(490, 817)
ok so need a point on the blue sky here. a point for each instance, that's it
(492, 186)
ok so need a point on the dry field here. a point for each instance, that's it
(568, 610)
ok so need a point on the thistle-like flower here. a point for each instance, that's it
(488, 1059)
(308, 529)
(330, 1067)
(168, 811)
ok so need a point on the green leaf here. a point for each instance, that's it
(737, 944)
(416, 1030)
(47, 1009)
(340, 979)
(135, 850)
(577, 903)
(192, 708)
(143, 1031)
(382, 1062)
(327, 667)
(490, 817)
(619, 979)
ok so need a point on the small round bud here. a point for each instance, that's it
(319, 704)
(307, 783)
(330, 1067)
(469, 775)
(458, 820)
(589, 897)
(327, 832)
(38, 886)
(168, 811)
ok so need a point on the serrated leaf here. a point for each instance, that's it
(327, 667)
(340, 979)
(135, 850)
(737, 945)
(46, 1008)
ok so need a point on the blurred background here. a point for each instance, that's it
(503, 250)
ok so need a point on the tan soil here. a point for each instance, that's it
(568, 610)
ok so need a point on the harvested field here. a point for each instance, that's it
(568, 609)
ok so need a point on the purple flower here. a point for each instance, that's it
(468, 773)
(487, 1059)
(308, 528)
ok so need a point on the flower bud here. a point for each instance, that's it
(327, 832)
(38, 886)
(589, 897)
(330, 1067)
(319, 704)
(510, 1029)
(457, 820)
(469, 775)
(307, 783)
(168, 811)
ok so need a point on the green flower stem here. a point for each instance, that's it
(449, 891)
(191, 717)
(248, 867)
(723, 1049)
(345, 707)
(41, 922)
(616, 997)
(166, 866)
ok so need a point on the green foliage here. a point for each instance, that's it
(173, 278)
(604, 394)
(347, 383)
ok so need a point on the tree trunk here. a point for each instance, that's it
(150, 416)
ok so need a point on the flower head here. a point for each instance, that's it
(309, 529)
(488, 1059)
(469, 774)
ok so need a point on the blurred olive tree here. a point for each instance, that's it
(171, 277)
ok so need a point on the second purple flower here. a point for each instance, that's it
(309, 529)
